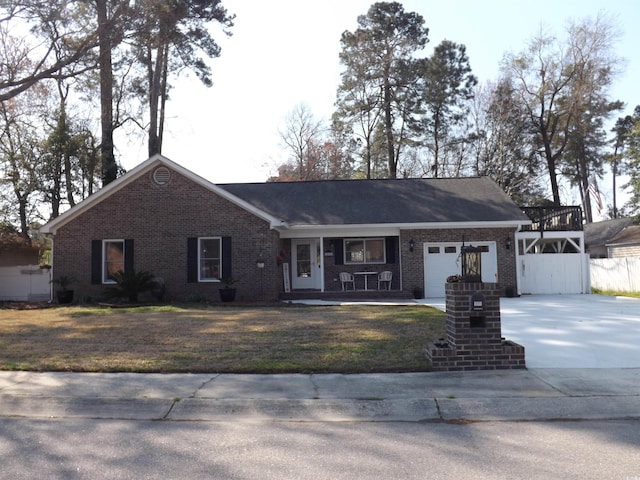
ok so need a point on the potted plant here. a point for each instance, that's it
(457, 278)
(227, 292)
(64, 294)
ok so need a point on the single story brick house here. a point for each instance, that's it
(283, 239)
(598, 234)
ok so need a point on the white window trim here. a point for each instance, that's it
(364, 240)
(105, 280)
(209, 280)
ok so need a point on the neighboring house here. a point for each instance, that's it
(617, 265)
(598, 234)
(162, 218)
(21, 278)
(626, 243)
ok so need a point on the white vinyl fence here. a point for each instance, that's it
(27, 283)
(618, 274)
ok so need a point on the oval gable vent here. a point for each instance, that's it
(161, 176)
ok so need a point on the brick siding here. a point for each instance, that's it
(160, 219)
(413, 262)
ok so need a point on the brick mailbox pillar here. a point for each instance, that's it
(474, 332)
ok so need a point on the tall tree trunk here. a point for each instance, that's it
(157, 73)
(109, 167)
(614, 174)
(436, 144)
(551, 166)
(388, 127)
(163, 98)
(22, 209)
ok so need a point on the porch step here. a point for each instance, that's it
(348, 295)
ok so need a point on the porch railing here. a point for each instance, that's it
(555, 219)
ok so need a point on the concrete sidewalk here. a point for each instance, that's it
(505, 395)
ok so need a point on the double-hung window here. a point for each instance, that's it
(209, 259)
(112, 259)
(364, 250)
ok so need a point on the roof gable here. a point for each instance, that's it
(135, 173)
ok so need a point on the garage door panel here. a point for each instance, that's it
(443, 259)
(439, 264)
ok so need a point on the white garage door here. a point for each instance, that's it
(443, 259)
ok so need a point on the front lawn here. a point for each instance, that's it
(237, 339)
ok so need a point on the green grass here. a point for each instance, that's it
(612, 293)
(238, 339)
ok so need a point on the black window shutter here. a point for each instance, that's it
(128, 256)
(192, 260)
(226, 257)
(338, 251)
(96, 262)
(390, 246)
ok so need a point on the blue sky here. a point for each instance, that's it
(284, 52)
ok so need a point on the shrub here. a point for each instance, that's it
(130, 284)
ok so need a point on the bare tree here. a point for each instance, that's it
(20, 140)
(301, 134)
(556, 83)
(502, 148)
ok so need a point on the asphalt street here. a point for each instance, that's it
(88, 449)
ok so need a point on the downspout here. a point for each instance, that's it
(51, 237)
(518, 261)
(321, 249)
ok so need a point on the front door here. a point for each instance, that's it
(305, 259)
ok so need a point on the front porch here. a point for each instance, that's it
(350, 295)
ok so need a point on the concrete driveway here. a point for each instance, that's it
(572, 331)
(568, 331)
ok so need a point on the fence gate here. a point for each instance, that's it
(27, 283)
(553, 264)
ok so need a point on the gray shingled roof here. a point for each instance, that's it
(599, 233)
(392, 201)
(628, 235)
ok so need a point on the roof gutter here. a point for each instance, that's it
(299, 231)
(411, 226)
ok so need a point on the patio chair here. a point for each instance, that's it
(347, 278)
(383, 277)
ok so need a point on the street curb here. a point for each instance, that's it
(325, 410)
